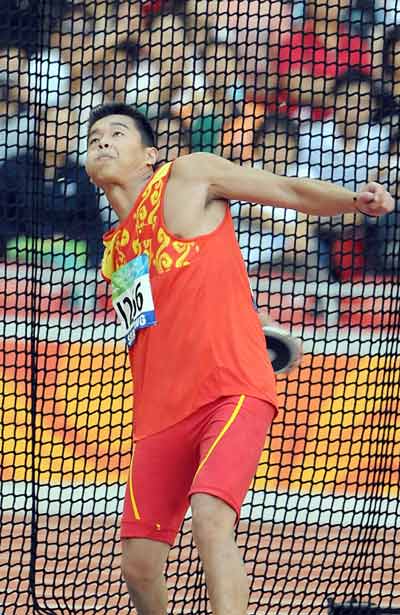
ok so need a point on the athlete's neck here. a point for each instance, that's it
(122, 196)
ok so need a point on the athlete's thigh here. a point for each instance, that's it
(231, 447)
(160, 475)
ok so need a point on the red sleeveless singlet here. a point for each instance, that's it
(208, 340)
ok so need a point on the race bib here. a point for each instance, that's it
(132, 297)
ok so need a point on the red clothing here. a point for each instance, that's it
(214, 451)
(152, 7)
(208, 341)
(305, 53)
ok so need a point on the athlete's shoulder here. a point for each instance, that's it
(199, 166)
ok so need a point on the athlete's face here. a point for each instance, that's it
(115, 151)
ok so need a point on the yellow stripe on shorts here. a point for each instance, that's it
(223, 431)
(133, 501)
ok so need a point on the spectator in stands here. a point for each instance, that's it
(238, 133)
(360, 16)
(72, 62)
(49, 77)
(276, 147)
(103, 17)
(387, 12)
(14, 75)
(182, 88)
(284, 237)
(348, 148)
(256, 27)
(205, 20)
(223, 81)
(382, 239)
(44, 193)
(217, 102)
(74, 36)
(165, 46)
(311, 59)
(351, 146)
(16, 124)
(151, 76)
(114, 26)
(391, 61)
(253, 27)
(119, 68)
(172, 138)
(140, 82)
(85, 38)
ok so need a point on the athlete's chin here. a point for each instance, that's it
(105, 177)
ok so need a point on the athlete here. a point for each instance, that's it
(204, 388)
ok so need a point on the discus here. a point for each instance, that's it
(285, 350)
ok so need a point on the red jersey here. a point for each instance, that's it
(207, 341)
(306, 53)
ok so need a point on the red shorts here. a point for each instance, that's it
(216, 451)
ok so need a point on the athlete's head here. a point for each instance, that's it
(121, 144)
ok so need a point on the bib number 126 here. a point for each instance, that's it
(133, 298)
(130, 305)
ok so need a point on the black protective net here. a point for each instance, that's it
(301, 88)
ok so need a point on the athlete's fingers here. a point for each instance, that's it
(374, 200)
(366, 196)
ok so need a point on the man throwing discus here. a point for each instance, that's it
(204, 387)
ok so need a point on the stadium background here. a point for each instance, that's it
(322, 519)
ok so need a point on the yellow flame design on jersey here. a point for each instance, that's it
(164, 251)
(183, 248)
(114, 257)
(162, 260)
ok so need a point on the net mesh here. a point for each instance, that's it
(305, 89)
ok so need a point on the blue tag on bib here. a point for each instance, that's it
(132, 297)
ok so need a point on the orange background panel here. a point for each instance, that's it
(336, 430)
(83, 413)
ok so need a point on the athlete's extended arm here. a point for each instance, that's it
(225, 179)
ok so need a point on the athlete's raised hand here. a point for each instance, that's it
(374, 200)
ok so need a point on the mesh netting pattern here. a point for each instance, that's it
(297, 88)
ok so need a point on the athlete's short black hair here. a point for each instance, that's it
(141, 122)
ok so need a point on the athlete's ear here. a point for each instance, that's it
(151, 156)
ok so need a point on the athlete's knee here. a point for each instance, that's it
(138, 573)
(212, 519)
(142, 563)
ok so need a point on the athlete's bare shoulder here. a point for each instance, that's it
(196, 159)
(198, 166)
(190, 207)
(199, 171)
(224, 179)
(192, 175)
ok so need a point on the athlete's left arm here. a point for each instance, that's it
(226, 180)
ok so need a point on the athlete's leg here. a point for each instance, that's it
(156, 501)
(230, 448)
(142, 564)
(213, 533)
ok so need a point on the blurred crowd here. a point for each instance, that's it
(306, 87)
